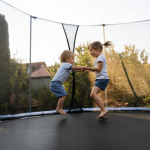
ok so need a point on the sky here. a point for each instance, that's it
(85, 12)
(48, 38)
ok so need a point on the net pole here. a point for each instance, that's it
(105, 56)
(66, 37)
(30, 66)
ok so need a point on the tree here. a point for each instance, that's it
(135, 95)
(47, 97)
(19, 79)
(118, 88)
(4, 62)
(83, 81)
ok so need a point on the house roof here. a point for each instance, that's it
(37, 64)
(34, 102)
(40, 73)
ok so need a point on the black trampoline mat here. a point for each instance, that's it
(78, 131)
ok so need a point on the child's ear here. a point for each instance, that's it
(98, 49)
(67, 59)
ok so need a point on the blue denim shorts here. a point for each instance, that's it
(57, 89)
(102, 83)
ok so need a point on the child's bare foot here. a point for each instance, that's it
(61, 111)
(103, 113)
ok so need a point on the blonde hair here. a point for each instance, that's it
(64, 55)
(98, 44)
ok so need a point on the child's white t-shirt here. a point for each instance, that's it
(103, 74)
(63, 73)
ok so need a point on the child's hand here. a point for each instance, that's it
(86, 68)
(86, 71)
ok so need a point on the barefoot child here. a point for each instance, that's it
(67, 60)
(100, 68)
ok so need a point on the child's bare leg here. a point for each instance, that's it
(98, 100)
(60, 104)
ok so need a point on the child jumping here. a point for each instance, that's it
(67, 60)
(100, 68)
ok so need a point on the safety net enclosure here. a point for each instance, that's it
(14, 52)
(30, 49)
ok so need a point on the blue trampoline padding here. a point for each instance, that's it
(72, 110)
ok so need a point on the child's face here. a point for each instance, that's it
(94, 52)
(71, 59)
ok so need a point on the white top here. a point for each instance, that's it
(103, 74)
(63, 72)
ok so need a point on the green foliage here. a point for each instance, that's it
(83, 55)
(4, 62)
(14, 78)
(18, 75)
(83, 83)
(19, 79)
(144, 56)
(137, 67)
(147, 100)
(47, 97)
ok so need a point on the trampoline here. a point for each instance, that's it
(28, 120)
(117, 130)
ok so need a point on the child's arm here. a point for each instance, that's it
(98, 68)
(78, 68)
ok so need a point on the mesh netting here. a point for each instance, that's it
(14, 55)
(70, 32)
(128, 63)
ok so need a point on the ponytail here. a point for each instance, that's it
(107, 44)
(98, 44)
